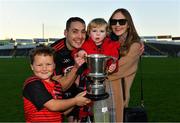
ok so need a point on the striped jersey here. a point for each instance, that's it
(64, 62)
(36, 93)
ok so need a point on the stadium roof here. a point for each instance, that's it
(163, 42)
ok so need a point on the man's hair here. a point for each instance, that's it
(41, 50)
(74, 19)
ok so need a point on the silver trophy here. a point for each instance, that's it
(97, 63)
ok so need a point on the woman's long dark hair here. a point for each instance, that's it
(132, 35)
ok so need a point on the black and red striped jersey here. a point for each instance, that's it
(64, 63)
(63, 58)
(36, 93)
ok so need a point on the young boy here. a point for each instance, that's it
(42, 96)
(97, 43)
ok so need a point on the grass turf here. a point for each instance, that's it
(161, 82)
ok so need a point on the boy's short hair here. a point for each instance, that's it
(41, 50)
(97, 22)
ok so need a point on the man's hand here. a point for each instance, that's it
(57, 78)
(82, 53)
(78, 60)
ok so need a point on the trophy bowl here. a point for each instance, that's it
(97, 64)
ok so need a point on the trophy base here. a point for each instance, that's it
(97, 97)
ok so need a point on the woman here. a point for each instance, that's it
(121, 28)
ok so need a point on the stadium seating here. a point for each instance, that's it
(152, 48)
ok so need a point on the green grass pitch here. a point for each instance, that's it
(161, 82)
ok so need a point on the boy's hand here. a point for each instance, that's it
(112, 68)
(81, 100)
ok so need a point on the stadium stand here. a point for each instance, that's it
(154, 46)
(162, 49)
(162, 45)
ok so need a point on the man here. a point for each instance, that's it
(66, 65)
